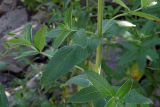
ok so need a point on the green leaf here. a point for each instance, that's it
(60, 38)
(3, 98)
(68, 18)
(111, 103)
(121, 3)
(81, 80)
(26, 53)
(135, 98)
(125, 88)
(146, 3)
(64, 60)
(19, 42)
(27, 33)
(145, 15)
(86, 95)
(101, 84)
(82, 39)
(40, 38)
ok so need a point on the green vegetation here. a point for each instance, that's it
(78, 48)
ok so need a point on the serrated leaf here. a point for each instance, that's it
(80, 80)
(121, 3)
(64, 60)
(82, 39)
(135, 98)
(101, 84)
(27, 32)
(60, 38)
(40, 38)
(19, 42)
(3, 98)
(125, 88)
(145, 15)
(86, 95)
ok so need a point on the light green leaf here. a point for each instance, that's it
(125, 88)
(60, 38)
(86, 95)
(121, 3)
(40, 38)
(68, 18)
(111, 103)
(61, 63)
(135, 98)
(147, 3)
(3, 98)
(101, 84)
(19, 42)
(27, 33)
(145, 15)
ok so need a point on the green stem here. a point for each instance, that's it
(87, 5)
(100, 47)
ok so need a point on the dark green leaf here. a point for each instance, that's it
(86, 95)
(125, 88)
(101, 84)
(60, 38)
(135, 98)
(81, 80)
(65, 59)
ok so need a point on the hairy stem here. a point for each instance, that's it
(99, 25)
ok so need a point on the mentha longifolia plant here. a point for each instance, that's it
(77, 46)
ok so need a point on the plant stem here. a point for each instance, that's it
(87, 5)
(99, 25)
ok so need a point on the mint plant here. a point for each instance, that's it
(76, 47)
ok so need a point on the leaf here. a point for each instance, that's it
(86, 95)
(3, 98)
(63, 60)
(53, 33)
(125, 88)
(111, 28)
(147, 3)
(121, 3)
(60, 38)
(19, 42)
(111, 103)
(27, 33)
(81, 80)
(145, 15)
(82, 39)
(101, 84)
(26, 53)
(40, 38)
(135, 98)
(68, 18)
